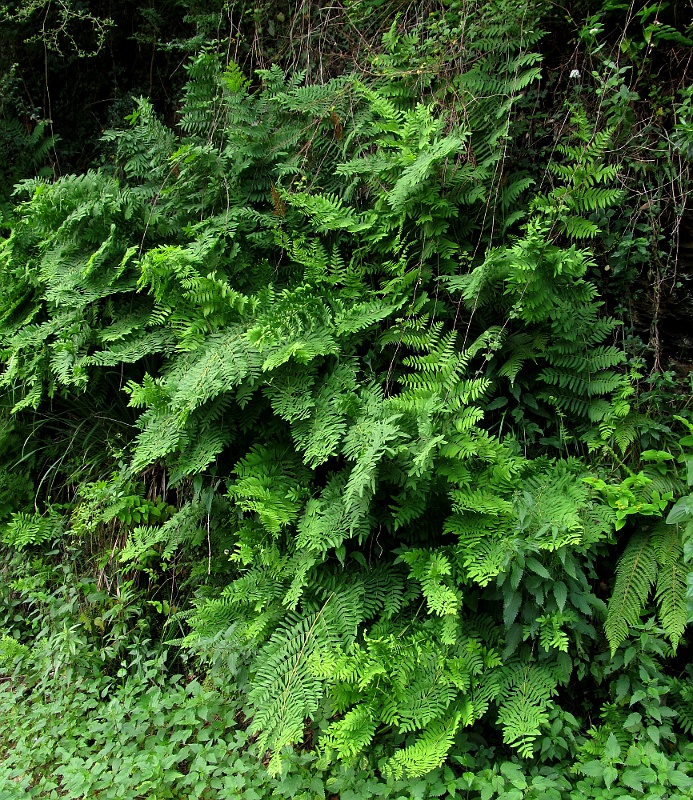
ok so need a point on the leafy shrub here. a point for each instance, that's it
(379, 427)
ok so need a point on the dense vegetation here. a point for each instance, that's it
(346, 439)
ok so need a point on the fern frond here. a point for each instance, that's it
(350, 735)
(635, 574)
(671, 581)
(429, 750)
(524, 708)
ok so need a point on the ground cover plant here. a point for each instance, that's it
(346, 445)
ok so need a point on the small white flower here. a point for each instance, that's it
(574, 73)
(594, 31)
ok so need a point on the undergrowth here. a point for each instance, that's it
(338, 453)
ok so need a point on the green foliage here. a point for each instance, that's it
(320, 387)
(636, 573)
(151, 730)
(31, 529)
(654, 557)
(155, 731)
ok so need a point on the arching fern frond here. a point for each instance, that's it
(671, 580)
(635, 574)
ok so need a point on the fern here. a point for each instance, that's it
(11, 651)
(285, 691)
(358, 344)
(524, 708)
(635, 574)
(429, 750)
(353, 733)
(671, 581)
(183, 526)
(24, 530)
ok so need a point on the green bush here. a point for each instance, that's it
(327, 452)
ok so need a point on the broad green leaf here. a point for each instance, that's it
(612, 749)
(682, 510)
